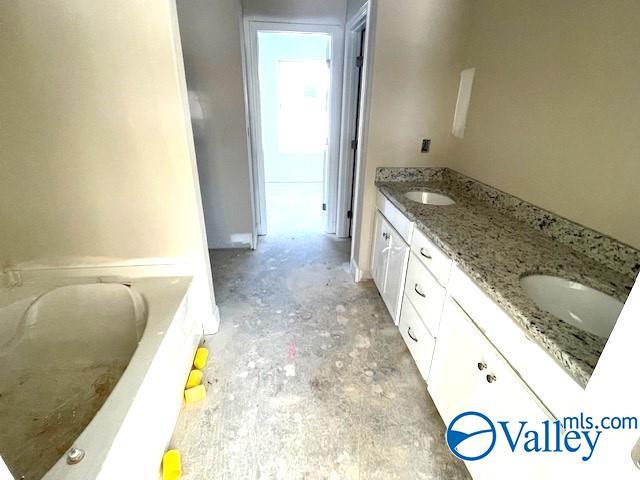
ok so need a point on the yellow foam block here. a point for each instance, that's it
(171, 465)
(195, 394)
(194, 379)
(200, 359)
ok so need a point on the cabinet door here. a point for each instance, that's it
(380, 252)
(468, 374)
(396, 273)
(454, 378)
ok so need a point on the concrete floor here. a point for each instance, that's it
(308, 377)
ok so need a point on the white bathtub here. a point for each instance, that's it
(72, 339)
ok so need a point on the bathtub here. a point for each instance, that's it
(92, 367)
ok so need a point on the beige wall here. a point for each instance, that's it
(330, 12)
(211, 40)
(416, 63)
(555, 108)
(95, 153)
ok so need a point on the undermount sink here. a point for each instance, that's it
(574, 303)
(428, 198)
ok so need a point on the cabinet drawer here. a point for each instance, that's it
(430, 255)
(395, 217)
(417, 337)
(425, 293)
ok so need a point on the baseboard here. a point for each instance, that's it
(357, 273)
(212, 327)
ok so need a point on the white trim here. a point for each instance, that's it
(203, 278)
(252, 182)
(363, 129)
(251, 29)
(358, 274)
(4, 471)
(348, 130)
(252, 83)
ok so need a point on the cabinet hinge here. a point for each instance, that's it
(324, 207)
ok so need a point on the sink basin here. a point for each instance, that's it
(574, 303)
(429, 198)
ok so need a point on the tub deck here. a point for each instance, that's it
(93, 359)
(45, 411)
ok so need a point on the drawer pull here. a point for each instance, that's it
(424, 253)
(491, 378)
(411, 336)
(482, 366)
(416, 288)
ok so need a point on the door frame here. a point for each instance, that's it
(346, 182)
(251, 28)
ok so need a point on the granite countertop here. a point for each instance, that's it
(495, 247)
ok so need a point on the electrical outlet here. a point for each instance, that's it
(426, 145)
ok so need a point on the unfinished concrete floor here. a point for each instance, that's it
(308, 377)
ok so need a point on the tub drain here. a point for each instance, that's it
(75, 455)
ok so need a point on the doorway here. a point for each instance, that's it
(294, 81)
(358, 65)
(354, 120)
(294, 88)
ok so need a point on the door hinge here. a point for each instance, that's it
(359, 61)
(324, 207)
(328, 63)
(354, 144)
(349, 214)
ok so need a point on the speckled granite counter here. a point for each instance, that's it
(496, 239)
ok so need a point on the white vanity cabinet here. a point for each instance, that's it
(459, 338)
(389, 264)
(469, 374)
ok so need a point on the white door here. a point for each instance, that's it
(327, 177)
(380, 252)
(396, 272)
(389, 259)
(454, 376)
(263, 137)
